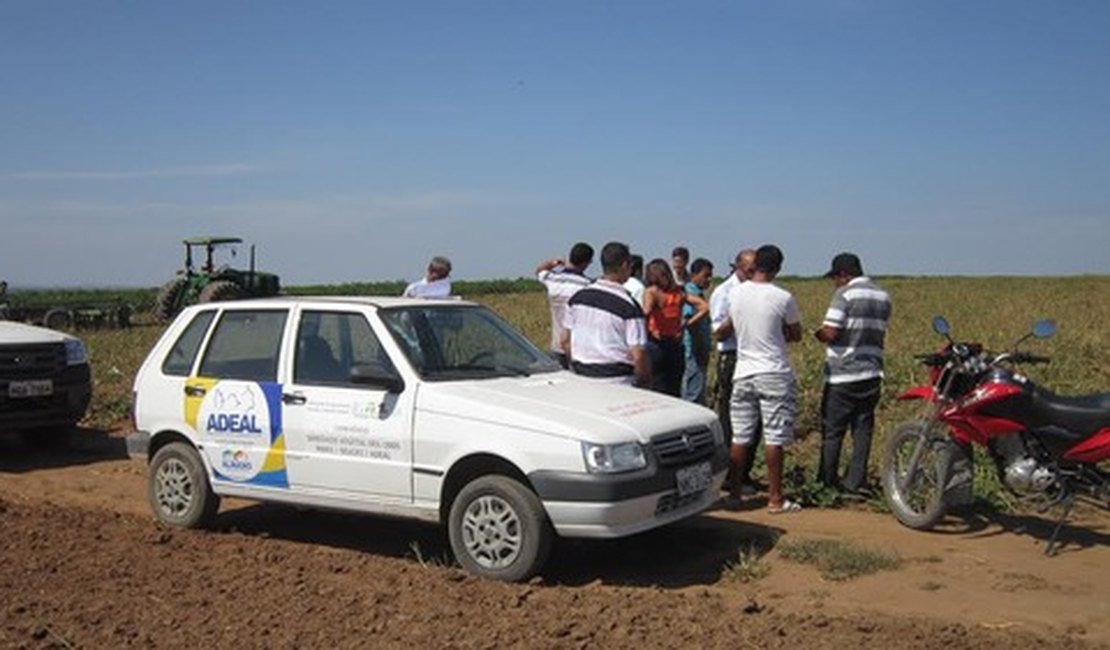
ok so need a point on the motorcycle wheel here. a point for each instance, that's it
(916, 460)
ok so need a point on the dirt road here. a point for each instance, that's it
(83, 565)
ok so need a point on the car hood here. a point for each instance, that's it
(22, 334)
(566, 405)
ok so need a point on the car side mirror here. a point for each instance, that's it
(940, 325)
(377, 377)
(1043, 329)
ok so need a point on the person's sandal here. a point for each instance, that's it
(787, 506)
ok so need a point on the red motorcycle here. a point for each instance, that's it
(1046, 447)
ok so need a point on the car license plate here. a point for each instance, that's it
(30, 388)
(694, 478)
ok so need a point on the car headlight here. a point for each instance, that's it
(76, 353)
(610, 459)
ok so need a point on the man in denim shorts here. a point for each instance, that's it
(764, 391)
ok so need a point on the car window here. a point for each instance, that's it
(180, 359)
(446, 343)
(330, 344)
(245, 345)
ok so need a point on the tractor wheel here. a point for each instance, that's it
(58, 318)
(220, 290)
(168, 301)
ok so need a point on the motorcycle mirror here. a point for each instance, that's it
(940, 325)
(1043, 329)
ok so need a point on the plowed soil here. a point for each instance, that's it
(82, 564)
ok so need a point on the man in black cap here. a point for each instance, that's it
(854, 330)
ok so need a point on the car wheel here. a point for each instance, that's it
(499, 530)
(178, 488)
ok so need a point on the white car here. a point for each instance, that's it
(435, 410)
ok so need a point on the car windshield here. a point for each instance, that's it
(448, 342)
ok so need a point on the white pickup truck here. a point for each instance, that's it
(436, 410)
(45, 382)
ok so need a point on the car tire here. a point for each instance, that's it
(178, 488)
(498, 529)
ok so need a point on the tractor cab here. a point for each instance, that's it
(210, 245)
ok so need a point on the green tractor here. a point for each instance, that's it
(210, 283)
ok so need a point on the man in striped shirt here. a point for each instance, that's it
(562, 279)
(605, 326)
(854, 330)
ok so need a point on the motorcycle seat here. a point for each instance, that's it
(1082, 414)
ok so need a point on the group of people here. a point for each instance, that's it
(656, 331)
(652, 326)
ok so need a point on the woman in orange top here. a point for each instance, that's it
(663, 302)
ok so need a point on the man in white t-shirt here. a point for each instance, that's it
(635, 282)
(435, 283)
(562, 279)
(742, 268)
(765, 317)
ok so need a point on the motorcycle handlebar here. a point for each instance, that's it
(1029, 358)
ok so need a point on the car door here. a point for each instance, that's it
(342, 435)
(233, 402)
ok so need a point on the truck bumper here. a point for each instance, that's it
(65, 406)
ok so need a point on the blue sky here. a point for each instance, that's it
(354, 140)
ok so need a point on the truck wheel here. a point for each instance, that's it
(498, 529)
(178, 488)
(58, 318)
(168, 300)
(220, 290)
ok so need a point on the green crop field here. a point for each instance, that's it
(994, 311)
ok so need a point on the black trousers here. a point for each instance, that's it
(668, 364)
(726, 365)
(843, 406)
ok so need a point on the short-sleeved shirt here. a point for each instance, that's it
(861, 311)
(636, 288)
(605, 324)
(700, 330)
(718, 311)
(758, 311)
(422, 288)
(561, 285)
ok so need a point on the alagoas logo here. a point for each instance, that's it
(236, 461)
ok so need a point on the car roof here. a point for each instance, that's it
(372, 301)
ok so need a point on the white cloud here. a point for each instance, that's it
(182, 171)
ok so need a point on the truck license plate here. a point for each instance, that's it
(30, 388)
(694, 478)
